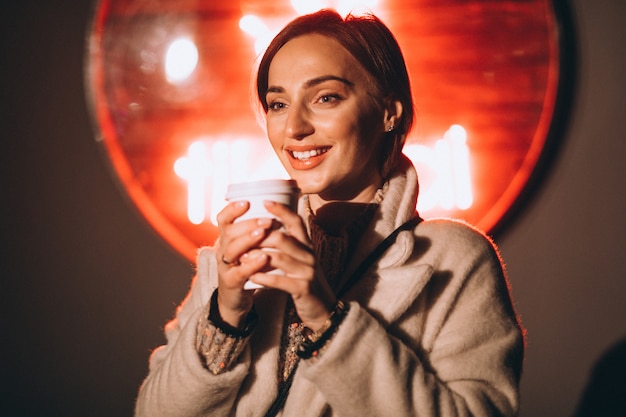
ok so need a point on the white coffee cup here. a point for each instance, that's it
(256, 192)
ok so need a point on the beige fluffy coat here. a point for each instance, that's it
(431, 332)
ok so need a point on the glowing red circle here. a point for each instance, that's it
(485, 77)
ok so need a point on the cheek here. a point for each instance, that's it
(368, 130)
(274, 136)
(371, 136)
(344, 126)
(365, 121)
(371, 121)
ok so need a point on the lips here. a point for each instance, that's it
(307, 157)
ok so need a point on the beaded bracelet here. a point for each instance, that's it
(314, 341)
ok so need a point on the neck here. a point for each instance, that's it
(334, 215)
(317, 201)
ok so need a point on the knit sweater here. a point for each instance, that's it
(431, 331)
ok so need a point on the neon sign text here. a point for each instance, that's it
(212, 163)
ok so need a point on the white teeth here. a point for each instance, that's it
(308, 154)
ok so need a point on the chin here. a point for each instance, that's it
(307, 186)
(307, 189)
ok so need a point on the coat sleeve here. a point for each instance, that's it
(178, 384)
(468, 358)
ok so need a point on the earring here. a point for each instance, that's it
(390, 128)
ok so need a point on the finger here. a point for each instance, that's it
(291, 266)
(231, 212)
(313, 299)
(279, 281)
(241, 239)
(235, 277)
(287, 246)
(302, 290)
(292, 222)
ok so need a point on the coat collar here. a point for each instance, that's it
(384, 287)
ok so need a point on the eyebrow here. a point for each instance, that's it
(313, 82)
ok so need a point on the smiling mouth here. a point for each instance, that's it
(306, 155)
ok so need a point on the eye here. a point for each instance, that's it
(328, 98)
(276, 106)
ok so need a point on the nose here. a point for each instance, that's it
(298, 124)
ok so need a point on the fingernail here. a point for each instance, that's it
(264, 222)
(241, 203)
(258, 232)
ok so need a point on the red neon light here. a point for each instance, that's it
(490, 67)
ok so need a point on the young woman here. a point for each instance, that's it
(378, 313)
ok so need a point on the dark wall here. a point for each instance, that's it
(86, 286)
(566, 253)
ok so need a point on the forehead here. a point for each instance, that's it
(313, 55)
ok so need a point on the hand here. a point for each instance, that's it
(312, 296)
(235, 263)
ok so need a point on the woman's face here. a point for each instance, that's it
(322, 119)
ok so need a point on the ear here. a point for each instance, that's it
(392, 115)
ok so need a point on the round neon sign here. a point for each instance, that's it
(169, 88)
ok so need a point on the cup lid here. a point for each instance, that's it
(235, 191)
